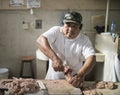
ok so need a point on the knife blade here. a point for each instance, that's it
(43, 88)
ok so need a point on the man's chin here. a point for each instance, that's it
(70, 37)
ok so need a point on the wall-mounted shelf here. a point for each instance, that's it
(73, 4)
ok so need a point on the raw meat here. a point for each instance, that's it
(20, 86)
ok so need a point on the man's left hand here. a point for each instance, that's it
(77, 81)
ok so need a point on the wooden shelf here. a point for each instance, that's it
(64, 5)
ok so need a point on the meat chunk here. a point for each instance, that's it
(92, 92)
(67, 72)
(21, 86)
(104, 84)
(68, 76)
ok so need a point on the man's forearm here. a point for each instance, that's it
(87, 66)
(45, 48)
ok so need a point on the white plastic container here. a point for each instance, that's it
(4, 73)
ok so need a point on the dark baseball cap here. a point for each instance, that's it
(74, 17)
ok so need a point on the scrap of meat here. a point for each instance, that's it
(21, 86)
(91, 92)
(101, 85)
(67, 72)
(104, 84)
(89, 89)
(110, 85)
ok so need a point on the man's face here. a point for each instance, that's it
(71, 30)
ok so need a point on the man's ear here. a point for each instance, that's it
(81, 25)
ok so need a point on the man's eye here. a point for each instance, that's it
(67, 25)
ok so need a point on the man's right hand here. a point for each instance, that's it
(58, 65)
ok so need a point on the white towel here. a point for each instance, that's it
(41, 56)
(116, 70)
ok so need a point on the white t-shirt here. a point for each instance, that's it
(71, 51)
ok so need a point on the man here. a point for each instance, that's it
(65, 47)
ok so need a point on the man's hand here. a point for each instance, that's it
(77, 81)
(58, 65)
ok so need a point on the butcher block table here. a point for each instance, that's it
(62, 87)
(56, 87)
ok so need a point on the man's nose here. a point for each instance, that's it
(71, 28)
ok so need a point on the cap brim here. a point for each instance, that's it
(65, 21)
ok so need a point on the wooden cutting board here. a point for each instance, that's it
(61, 87)
(57, 87)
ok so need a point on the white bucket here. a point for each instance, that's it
(4, 72)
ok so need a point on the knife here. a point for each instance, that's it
(42, 88)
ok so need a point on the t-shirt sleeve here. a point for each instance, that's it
(51, 34)
(88, 49)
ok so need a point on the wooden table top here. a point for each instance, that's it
(62, 87)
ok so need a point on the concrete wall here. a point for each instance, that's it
(16, 42)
